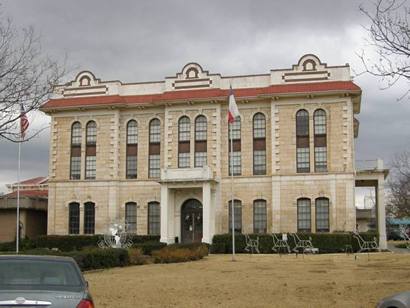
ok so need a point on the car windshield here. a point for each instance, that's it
(39, 275)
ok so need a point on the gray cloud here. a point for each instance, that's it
(148, 40)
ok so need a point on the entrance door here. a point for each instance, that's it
(191, 221)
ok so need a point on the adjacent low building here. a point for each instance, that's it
(156, 155)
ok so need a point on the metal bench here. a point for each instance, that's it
(279, 245)
(304, 245)
(405, 235)
(251, 244)
(366, 245)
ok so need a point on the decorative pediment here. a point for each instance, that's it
(309, 68)
(84, 83)
(192, 76)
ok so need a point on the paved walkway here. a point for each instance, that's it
(391, 246)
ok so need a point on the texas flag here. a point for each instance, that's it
(233, 111)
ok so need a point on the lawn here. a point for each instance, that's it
(255, 281)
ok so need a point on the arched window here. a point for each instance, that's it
(259, 216)
(184, 136)
(259, 144)
(131, 217)
(304, 215)
(322, 215)
(90, 154)
(237, 214)
(89, 218)
(235, 134)
(85, 81)
(132, 149)
(154, 159)
(74, 218)
(200, 141)
(319, 119)
(302, 141)
(154, 218)
(75, 160)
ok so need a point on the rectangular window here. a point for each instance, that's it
(154, 166)
(155, 134)
(132, 167)
(259, 162)
(237, 216)
(304, 218)
(322, 215)
(302, 158)
(90, 167)
(74, 218)
(89, 218)
(237, 164)
(200, 159)
(259, 217)
(131, 217)
(183, 160)
(320, 159)
(75, 167)
(154, 218)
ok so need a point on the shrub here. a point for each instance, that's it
(326, 242)
(180, 253)
(402, 245)
(148, 247)
(136, 257)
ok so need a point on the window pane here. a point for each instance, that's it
(75, 166)
(259, 216)
(154, 218)
(183, 160)
(90, 167)
(237, 214)
(235, 133)
(236, 158)
(304, 219)
(302, 123)
(302, 159)
(259, 124)
(259, 162)
(184, 129)
(320, 122)
(154, 166)
(200, 159)
(320, 159)
(91, 132)
(76, 134)
(132, 167)
(200, 128)
(131, 217)
(74, 218)
(322, 215)
(89, 218)
(132, 132)
(155, 131)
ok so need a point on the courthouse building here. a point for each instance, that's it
(156, 155)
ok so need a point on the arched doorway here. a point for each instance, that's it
(191, 221)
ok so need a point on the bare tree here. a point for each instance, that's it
(27, 77)
(390, 35)
(399, 184)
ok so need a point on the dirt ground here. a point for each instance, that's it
(255, 281)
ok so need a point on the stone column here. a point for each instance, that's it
(164, 213)
(381, 213)
(207, 214)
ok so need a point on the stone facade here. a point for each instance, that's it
(278, 95)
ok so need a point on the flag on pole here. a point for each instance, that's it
(233, 111)
(23, 122)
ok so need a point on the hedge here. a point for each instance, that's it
(71, 242)
(326, 242)
(180, 253)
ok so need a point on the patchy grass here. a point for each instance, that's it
(256, 281)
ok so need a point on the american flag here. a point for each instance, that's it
(23, 121)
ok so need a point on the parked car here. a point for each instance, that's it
(42, 281)
(400, 300)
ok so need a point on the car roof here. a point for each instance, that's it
(36, 257)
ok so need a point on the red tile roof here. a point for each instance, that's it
(33, 181)
(330, 86)
(27, 193)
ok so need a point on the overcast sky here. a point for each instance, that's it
(148, 40)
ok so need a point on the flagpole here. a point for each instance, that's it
(18, 199)
(232, 203)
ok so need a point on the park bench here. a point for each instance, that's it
(279, 245)
(366, 245)
(251, 244)
(304, 245)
